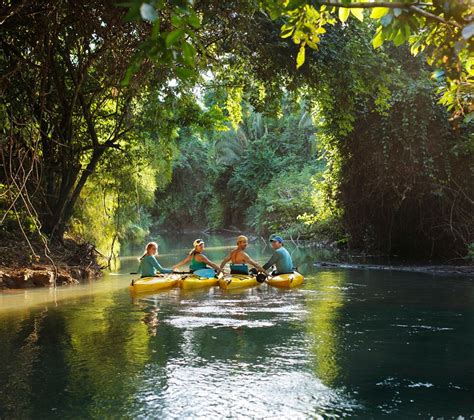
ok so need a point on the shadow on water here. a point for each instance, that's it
(348, 342)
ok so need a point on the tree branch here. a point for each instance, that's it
(414, 7)
(431, 16)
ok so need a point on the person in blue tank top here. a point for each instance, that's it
(239, 258)
(197, 259)
(149, 265)
(281, 258)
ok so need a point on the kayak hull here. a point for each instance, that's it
(151, 284)
(196, 282)
(286, 281)
(237, 281)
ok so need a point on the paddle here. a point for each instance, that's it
(174, 272)
(261, 277)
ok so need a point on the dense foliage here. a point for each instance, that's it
(258, 176)
(102, 106)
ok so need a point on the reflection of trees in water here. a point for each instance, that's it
(323, 324)
(18, 366)
(108, 350)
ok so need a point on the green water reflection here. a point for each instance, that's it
(323, 325)
(347, 343)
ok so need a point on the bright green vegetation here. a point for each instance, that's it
(260, 176)
(280, 116)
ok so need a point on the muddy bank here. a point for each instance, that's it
(441, 270)
(71, 263)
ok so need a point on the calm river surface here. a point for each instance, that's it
(348, 343)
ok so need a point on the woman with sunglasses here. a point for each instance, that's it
(198, 260)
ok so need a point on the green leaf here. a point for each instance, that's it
(343, 14)
(379, 12)
(286, 33)
(193, 20)
(173, 37)
(399, 38)
(378, 39)
(469, 117)
(148, 12)
(189, 53)
(176, 20)
(297, 36)
(407, 30)
(184, 73)
(301, 56)
(133, 13)
(293, 4)
(470, 66)
(358, 13)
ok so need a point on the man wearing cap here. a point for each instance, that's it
(239, 258)
(281, 258)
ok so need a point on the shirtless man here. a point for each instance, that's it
(239, 258)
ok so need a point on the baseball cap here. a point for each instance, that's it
(198, 242)
(276, 238)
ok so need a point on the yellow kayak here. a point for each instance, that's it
(234, 281)
(150, 284)
(286, 280)
(195, 282)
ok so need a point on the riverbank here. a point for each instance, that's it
(65, 264)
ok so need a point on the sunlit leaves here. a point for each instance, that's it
(304, 24)
(234, 105)
(379, 12)
(343, 14)
(470, 66)
(358, 13)
(378, 39)
(448, 30)
(301, 56)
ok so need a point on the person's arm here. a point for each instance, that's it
(204, 259)
(225, 260)
(255, 264)
(161, 269)
(273, 259)
(140, 267)
(186, 260)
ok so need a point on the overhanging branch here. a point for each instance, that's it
(413, 7)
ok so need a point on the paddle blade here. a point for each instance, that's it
(261, 277)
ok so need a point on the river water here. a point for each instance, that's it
(351, 343)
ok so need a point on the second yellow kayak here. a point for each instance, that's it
(195, 282)
(286, 280)
(235, 281)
